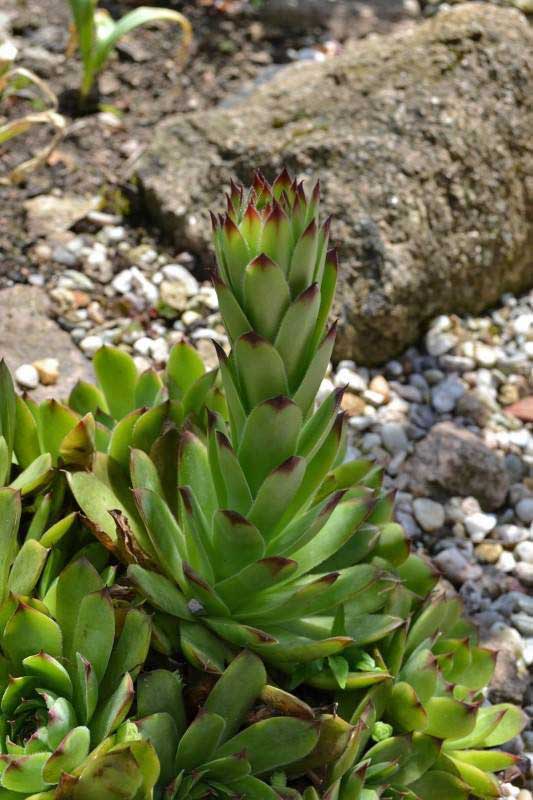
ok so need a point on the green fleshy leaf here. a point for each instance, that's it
(236, 691)
(117, 377)
(70, 753)
(200, 741)
(95, 630)
(161, 691)
(236, 543)
(159, 591)
(36, 475)
(263, 278)
(269, 438)
(129, 652)
(78, 446)
(148, 389)
(27, 568)
(436, 785)
(292, 340)
(30, 631)
(260, 369)
(85, 398)
(113, 712)
(273, 743)
(26, 440)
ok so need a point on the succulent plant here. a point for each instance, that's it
(268, 543)
(183, 391)
(67, 666)
(434, 733)
(222, 753)
(235, 521)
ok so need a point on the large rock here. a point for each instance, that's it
(452, 461)
(27, 334)
(422, 141)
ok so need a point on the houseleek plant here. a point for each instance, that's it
(201, 599)
(241, 530)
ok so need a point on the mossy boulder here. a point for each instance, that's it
(423, 143)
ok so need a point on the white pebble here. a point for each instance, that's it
(27, 376)
(506, 562)
(90, 344)
(479, 525)
(374, 398)
(143, 346)
(159, 350)
(179, 274)
(438, 343)
(524, 551)
(510, 535)
(350, 378)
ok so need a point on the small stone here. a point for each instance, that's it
(407, 392)
(179, 274)
(27, 376)
(488, 552)
(351, 379)
(524, 509)
(380, 385)
(408, 524)
(370, 442)
(90, 344)
(394, 438)
(190, 317)
(524, 623)
(352, 404)
(145, 287)
(114, 233)
(48, 370)
(456, 566)
(393, 467)
(524, 551)
(486, 356)
(522, 324)
(361, 423)
(122, 282)
(143, 346)
(173, 295)
(445, 395)
(429, 514)
(520, 438)
(438, 343)
(510, 535)
(524, 573)
(141, 363)
(160, 350)
(373, 398)
(525, 603)
(506, 562)
(508, 394)
(457, 363)
(479, 525)
(64, 256)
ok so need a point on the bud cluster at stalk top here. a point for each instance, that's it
(276, 278)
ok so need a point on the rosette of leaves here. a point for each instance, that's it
(245, 732)
(67, 666)
(181, 392)
(426, 733)
(269, 543)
